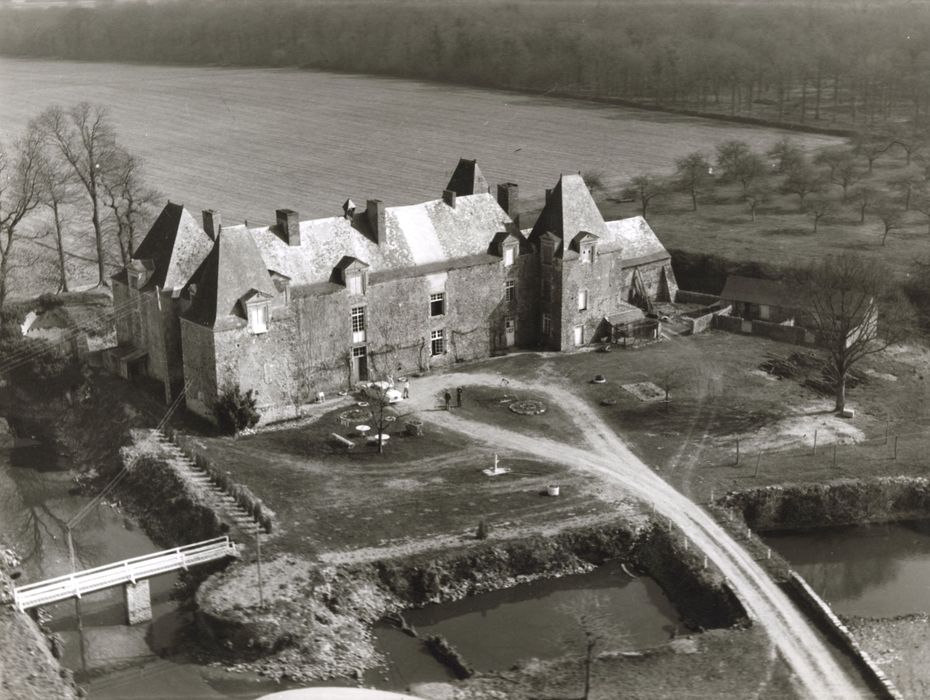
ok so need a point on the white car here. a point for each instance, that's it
(378, 390)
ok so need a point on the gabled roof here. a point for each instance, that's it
(635, 240)
(758, 291)
(233, 270)
(416, 235)
(579, 237)
(467, 179)
(176, 244)
(569, 210)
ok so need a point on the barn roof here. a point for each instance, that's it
(758, 291)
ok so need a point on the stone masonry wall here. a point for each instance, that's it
(199, 368)
(603, 280)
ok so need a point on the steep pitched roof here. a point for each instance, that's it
(417, 235)
(467, 179)
(176, 244)
(758, 291)
(232, 270)
(569, 210)
(635, 240)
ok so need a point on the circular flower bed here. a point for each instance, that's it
(528, 407)
(354, 416)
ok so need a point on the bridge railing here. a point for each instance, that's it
(126, 571)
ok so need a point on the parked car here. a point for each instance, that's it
(378, 390)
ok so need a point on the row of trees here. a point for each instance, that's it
(825, 61)
(836, 177)
(67, 180)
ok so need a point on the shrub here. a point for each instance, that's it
(482, 532)
(236, 410)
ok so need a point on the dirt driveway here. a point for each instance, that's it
(817, 673)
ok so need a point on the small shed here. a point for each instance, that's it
(755, 299)
(628, 325)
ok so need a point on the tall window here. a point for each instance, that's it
(437, 304)
(547, 324)
(582, 299)
(437, 342)
(358, 324)
(509, 255)
(547, 252)
(258, 318)
(510, 291)
(546, 290)
(355, 283)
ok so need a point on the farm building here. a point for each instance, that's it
(300, 307)
(755, 299)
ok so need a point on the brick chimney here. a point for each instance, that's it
(376, 225)
(288, 226)
(212, 222)
(448, 196)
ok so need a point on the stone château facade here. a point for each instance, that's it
(301, 307)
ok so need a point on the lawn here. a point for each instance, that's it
(421, 492)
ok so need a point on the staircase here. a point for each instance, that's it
(223, 502)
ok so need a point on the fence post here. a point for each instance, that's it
(815, 442)
(758, 462)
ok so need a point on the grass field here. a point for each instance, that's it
(247, 141)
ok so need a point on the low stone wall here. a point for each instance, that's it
(701, 323)
(776, 331)
(824, 617)
(684, 296)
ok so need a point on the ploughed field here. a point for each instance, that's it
(245, 141)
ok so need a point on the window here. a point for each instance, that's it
(510, 292)
(587, 253)
(355, 283)
(582, 299)
(508, 255)
(258, 318)
(546, 324)
(437, 304)
(546, 290)
(358, 324)
(547, 252)
(437, 340)
(360, 351)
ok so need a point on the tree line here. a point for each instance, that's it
(65, 181)
(863, 64)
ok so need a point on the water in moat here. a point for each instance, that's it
(867, 570)
(491, 631)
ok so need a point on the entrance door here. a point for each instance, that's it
(510, 332)
(579, 335)
(360, 361)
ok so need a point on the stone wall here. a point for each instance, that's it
(199, 368)
(603, 280)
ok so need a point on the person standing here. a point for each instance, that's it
(458, 397)
(448, 398)
(406, 388)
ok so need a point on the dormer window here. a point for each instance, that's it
(356, 282)
(510, 254)
(587, 252)
(135, 278)
(259, 314)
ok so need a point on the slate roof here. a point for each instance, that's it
(569, 210)
(634, 238)
(467, 179)
(177, 245)
(758, 291)
(232, 270)
(416, 235)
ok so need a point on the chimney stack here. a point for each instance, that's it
(376, 224)
(348, 209)
(448, 196)
(212, 223)
(288, 226)
(508, 195)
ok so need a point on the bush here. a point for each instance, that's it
(235, 410)
(482, 532)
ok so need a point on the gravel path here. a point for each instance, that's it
(817, 673)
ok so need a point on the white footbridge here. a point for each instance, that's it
(131, 573)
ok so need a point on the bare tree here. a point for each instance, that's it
(871, 147)
(596, 629)
(889, 213)
(803, 181)
(85, 139)
(645, 188)
(693, 174)
(865, 198)
(58, 195)
(905, 183)
(758, 194)
(846, 174)
(922, 204)
(19, 196)
(786, 154)
(128, 198)
(855, 309)
(594, 180)
(819, 207)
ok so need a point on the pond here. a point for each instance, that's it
(867, 570)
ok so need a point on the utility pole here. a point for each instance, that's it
(77, 601)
